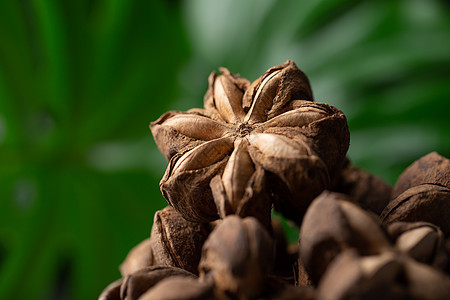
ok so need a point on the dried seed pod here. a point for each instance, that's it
(275, 89)
(139, 257)
(224, 95)
(303, 278)
(420, 240)
(112, 291)
(419, 243)
(185, 183)
(136, 284)
(350, 276)
(368, 190)
(426, 202)
(425, 282)
(294, 182)
(333, 224)
(253, 202)
(179, 288)
(246, 131)
(429, 169)
(177, 242)
(384, 276)
(237, 256)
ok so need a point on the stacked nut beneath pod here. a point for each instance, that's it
(348, 252)
(261, 146)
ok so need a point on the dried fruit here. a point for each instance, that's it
(302, 276)
(384, 276)
(112, 291)
(177, 242)
(139, 257)
(237, 256)
(369, 191)
(254, 202)
(179, 288)
(429, 169)
(420, 240)
(425, 202)
(136, 284)
(425, 282)
(245, 133)
(350, 276)
(333, 224)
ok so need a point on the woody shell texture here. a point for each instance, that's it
(253, 145)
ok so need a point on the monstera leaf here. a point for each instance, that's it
(81, 80)
(79, 83)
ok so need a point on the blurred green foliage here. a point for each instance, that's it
(80, 81)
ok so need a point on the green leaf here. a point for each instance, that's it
(76, 75)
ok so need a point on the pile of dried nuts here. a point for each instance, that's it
(263, 146)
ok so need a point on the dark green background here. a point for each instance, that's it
(80, 81)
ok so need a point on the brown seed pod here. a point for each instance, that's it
(237, 256)
(429, 169)
(179, 288)
(139, 257)
(425, 282)
(177, 242)
(351, 276)
(303, 278)
(253, 202)
(246, 131)
(420, 240)
(136, 284)
(388, 275)
(369, 191)
(332, 224)
(112, 291)
(426, 202)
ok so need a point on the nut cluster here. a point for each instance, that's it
(266, 146)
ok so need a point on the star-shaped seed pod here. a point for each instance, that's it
(388, 275)
(422, 241)
(112, 291)
(136, 284)
(140, 256)
(422, 193)
(177, 242)
(351, 276)
(180, 288)
(174, 241)
(253, 144)
(237, 257)
(368, 190)
(424, 202)
(332, 224)
(132, 286)
(429, 169)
